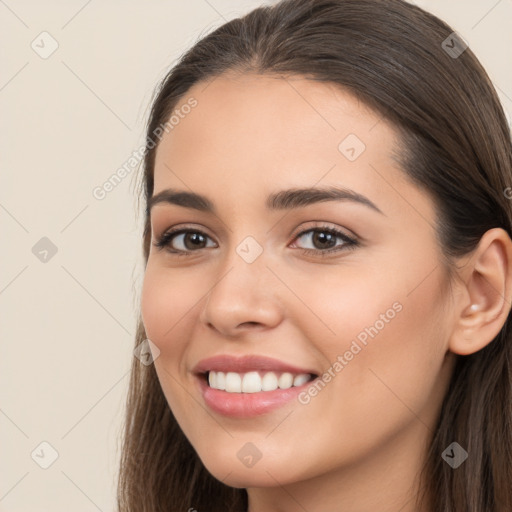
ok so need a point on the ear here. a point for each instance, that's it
(484, 304)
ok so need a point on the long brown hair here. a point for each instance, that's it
(455, 145)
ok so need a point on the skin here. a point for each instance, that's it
(359, 444)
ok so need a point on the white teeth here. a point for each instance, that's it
(253, 382)
(220, 382)
(269, 382)
(286, 381)
(298, 381)
(233, 382)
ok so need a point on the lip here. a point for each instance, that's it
(246, 405)
(244, 364)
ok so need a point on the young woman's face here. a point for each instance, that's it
(252, 276)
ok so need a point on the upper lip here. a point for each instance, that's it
(242, 364)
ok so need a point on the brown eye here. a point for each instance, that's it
(324, 240)
(183, 240)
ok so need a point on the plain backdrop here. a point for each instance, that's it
(71, 263)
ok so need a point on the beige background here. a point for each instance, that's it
(68, 123)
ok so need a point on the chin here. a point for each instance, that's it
(246, 478)
(236, 474)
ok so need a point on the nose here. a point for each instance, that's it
(244, 297)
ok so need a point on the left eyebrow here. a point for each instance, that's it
(299, 197)
(282, 200)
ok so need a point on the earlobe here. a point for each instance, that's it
(485, 304)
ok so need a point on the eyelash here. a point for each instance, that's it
(349, 243)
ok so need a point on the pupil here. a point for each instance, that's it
(195, 238)
(323, 237)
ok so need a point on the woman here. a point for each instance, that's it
(328, 271)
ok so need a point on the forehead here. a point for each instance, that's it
(252, 133)
(272, 111)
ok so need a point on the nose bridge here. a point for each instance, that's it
(240, 293)
(250, 250)
(243, 268)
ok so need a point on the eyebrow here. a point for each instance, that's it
(282, 200)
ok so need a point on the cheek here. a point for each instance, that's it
(167, 300)
(347, 305)
(167, 309)
(382, 340)
(396, 374)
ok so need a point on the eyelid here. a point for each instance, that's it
(180, 227)
(319, 224)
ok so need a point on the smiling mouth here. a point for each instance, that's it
(255, 381)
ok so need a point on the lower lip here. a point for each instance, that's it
(247, 405)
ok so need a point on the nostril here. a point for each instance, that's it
(250, 323)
